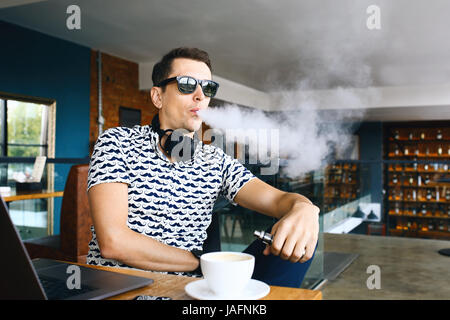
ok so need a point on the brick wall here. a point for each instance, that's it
(120, 87)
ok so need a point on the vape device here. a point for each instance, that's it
(264, 237)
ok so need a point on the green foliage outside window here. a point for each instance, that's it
(24, 125)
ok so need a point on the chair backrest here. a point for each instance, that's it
(75, 214)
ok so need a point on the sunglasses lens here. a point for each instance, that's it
(209, 88)
(187, 84)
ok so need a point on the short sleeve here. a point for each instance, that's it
(108, 162)
(235, 176)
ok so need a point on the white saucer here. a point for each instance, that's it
(254, 290)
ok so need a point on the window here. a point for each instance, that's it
(24, 131)
(129, 117)
(27, 131)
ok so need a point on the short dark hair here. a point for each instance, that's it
(163, 68)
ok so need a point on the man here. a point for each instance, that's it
(151, 212)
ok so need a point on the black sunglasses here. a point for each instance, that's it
(188, 85)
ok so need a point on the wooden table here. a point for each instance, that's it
(172, 286)
(16, 196)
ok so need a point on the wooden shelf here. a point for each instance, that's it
(420, 201)
(419, 171)
(347, 189)
(415, 141)
(435, 156)
(354, 184)
(444, 235)
(420, 216)
(437, 170)
(427, 186)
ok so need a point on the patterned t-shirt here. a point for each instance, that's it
(170, 202)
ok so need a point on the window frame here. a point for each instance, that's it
(50, 142)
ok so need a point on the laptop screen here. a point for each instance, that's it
(19, 279)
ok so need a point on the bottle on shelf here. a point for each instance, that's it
(434, 212)
(430, 226)
(411, 136)
(441, 210)
(428, 196)
(408, 226)
(441, 226)
(396, 135)
(408, 196)
(397, 209)
(424, 209)
(396, 150)
(427, 179)
(394, 179)
(439, 151)
(411, 180)
(447, 195)
(439, 135)
(422, 135)
(406, 151)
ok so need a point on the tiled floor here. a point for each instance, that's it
(409, 268)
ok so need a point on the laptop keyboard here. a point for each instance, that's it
(57, 289)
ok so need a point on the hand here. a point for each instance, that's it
(295, 235)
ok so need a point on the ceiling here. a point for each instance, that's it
(264, 44)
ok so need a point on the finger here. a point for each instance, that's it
(299, 252)
(308, 253)
(288, 247)
(274, 228)
(266, 251)
(278, 241)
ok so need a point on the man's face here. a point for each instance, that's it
(177, 110)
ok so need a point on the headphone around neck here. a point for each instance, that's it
(183, 142)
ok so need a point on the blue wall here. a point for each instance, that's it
(35, 64)
(371, 149)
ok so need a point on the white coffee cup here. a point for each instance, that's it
(227, 273)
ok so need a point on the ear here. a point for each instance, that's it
(156, 95)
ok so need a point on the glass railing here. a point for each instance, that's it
(35, 217)
(340, 190)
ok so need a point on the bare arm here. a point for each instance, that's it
(297, 230)
(109, 209)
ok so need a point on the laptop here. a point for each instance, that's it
(45, 279)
